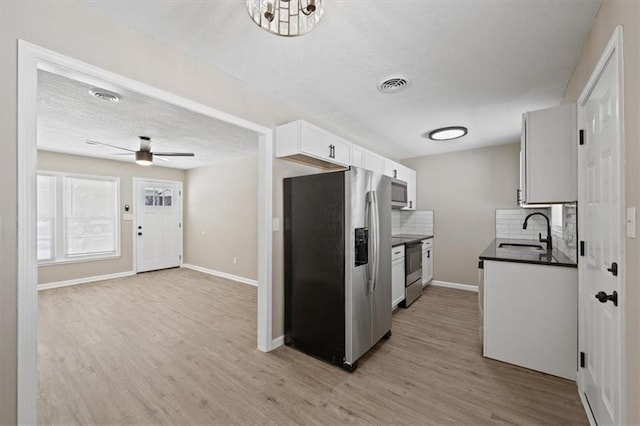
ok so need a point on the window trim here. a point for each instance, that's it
(60, 241)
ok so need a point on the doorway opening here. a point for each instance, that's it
(33, 59)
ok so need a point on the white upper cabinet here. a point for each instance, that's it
(373, 161)
(357, 155)
(408, 175)
(548, 161)
(302, 141)
(391, 168)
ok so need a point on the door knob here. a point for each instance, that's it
(604, 297)
(613, 269)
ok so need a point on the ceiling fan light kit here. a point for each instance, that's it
(288, 18)
(144, 158)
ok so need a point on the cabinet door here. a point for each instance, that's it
(391, 168)
(397, 282)
(411, 188)
(425, 271)
(318, 143)
(550, 155)
(429, 264)
(357, 156)
(373, 162)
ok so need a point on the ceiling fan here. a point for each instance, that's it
(144, 156)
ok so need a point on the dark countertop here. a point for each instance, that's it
(401, 239)
(543, 257)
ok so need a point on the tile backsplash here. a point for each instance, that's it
(567, 243)
(418, 222)
(509, 223)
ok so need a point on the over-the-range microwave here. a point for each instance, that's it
(398, 194)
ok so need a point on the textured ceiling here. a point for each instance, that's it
(68, 115)
(478, 63)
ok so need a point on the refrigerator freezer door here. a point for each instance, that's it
(381, 296)
(314, 235)
(357, 294)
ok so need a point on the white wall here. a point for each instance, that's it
(221, 217)
(463, 189)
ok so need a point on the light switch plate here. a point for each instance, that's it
(631, 222)
(276, 224)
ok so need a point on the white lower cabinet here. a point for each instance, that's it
(531, 316)
(397, 275)
(427, 261)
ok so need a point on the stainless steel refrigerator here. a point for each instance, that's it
(337, 235)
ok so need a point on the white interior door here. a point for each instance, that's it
(600, 208)
(158, 225)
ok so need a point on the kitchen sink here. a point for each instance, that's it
(521, 246)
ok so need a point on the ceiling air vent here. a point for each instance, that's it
(393, 84)
(105, 95)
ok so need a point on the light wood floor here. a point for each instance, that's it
(178, 347)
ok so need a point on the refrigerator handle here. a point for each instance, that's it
(371, 267)
(376, 239)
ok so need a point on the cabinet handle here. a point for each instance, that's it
(330, 151)
(518, 192)
(395, 174)
(429, 254)
(333, 150)
(410, 204)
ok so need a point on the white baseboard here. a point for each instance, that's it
(86, 280)
(277, 342)
(465, 287)
(221, 274)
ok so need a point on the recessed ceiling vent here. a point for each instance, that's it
(105, 95)
(393, 84)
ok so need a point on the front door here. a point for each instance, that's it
(600, 220)
(158, 224)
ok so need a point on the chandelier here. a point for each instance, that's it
(288, 18)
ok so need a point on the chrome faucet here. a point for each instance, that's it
(542, 240)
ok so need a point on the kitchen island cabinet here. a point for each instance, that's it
(531, 316)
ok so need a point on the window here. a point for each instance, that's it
(557, 222)
(78, 217)
(158, 196)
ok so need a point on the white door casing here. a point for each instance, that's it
(600, 220)
(158, 224)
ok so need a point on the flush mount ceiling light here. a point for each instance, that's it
(447, 133)
(104, 95)
(287, 18)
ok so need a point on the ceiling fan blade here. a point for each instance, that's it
(92, 142)
(121, 153)
(174, 154)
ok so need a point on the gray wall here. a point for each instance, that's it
(56, 162)
(76, 29)
(626, 13)
(464, 189)
(222, 203)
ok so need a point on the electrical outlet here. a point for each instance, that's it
(235, 260)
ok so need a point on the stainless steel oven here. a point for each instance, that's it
(413, 273)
